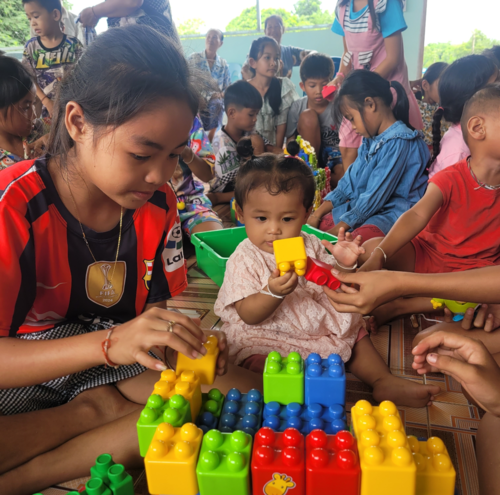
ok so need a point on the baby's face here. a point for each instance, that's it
(269, 218)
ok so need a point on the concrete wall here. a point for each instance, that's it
(236, 47)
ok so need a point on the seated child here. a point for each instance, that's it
(18, 129)
(455, 226)
(48, 55)
(312, 116)
(388, 176)
(242, 103)
(263, 311)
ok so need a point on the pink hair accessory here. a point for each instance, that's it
(394, 97)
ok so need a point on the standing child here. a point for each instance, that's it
(263, 311)
(48, 55)
(278, 93)
(372, 40)
(388, 176)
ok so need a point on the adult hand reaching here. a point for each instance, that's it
(88, 18)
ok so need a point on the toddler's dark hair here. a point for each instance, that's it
(432, 74)
(273, 94)
(242, 94)
(493, 54)
(457, 84)
(15, 82)
(120, 74)
(277, 173)
(316, 66)
(361, 84)
(48, 5)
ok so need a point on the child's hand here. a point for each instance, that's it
(282, 286)
(466, 360)
(347, 250)
(487, 318)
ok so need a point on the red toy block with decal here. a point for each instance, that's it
(278, 463)
(320, 274)
(332, 464)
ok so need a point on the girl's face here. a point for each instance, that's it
(431, 93)
(267, 64)
(129, 163)
(268, 218)
(360, 123)
(18, 120)
(274, 30)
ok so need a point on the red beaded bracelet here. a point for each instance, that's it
(105, 346)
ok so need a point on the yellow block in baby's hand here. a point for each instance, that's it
(291, 254)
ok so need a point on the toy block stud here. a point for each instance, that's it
(384, 451)
(224, 464)
(241, 412)
(332, 464)
(284, 378)
(96, 486)
(171, 459)
(101, 467)
(321, 274)
(204, 367)
(435, 472)
(325, 380)
(175, 411)
(120, 482)
(291, 254)
(211, 408)
(278, 462)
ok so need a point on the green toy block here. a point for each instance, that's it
(101, 467)
(72, 493)
(212, 402)
(175, 411)
(96, 486)
(224, 464)
(284, 378)
(120, 482)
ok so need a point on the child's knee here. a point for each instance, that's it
(308, 118)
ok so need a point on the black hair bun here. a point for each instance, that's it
(293, 148)
(244, 147)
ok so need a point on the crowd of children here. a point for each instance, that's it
(92, 217)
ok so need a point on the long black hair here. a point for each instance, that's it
(457, 84)
(362, 84)
(432, 74)
(119, 74)
(273, 94)
(15, 82)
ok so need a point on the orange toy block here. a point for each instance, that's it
(171, 459)
(291, 254)
(186, 384)
(204, 367)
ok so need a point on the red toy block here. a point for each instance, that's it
(328, 92)
(278, 463)
(332, 464)
(320, 274)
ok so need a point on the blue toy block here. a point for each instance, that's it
(211, 409)
(325, 380)
(241, 412)
(304, 418)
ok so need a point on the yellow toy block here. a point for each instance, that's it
(186, 384)
(204, 367)
(171, 459)
(435, 472)
(291, 254)
(385, 456)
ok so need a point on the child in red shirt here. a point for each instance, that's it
(455, 226)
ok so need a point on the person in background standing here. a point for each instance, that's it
(209, 61)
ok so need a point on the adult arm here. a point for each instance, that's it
(344, 69)
(394, 55)
(109, 8)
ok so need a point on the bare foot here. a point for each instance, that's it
(404, 392)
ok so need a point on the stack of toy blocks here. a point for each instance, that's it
(332, 464)
(386, 459)
(325, 380)
(278, 462)
(241, 412)
(211, 408)
(284, 378)
(435, 472)
(204, 367)
(224, 464)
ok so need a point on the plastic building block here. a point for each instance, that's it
(435, 472)
(332, 464)
(278, 463)
(328, 92)
(304, 418)
(325, 380)
(290, 254)
(456, 307)
(204, 367)
(384, 452)
(171, 459)
(234, 214)
(284, 378)
(175, 411)
(96, 486)
(241, 412)
(224, 464)
(211, 408)
(321, 274)
(186, 384)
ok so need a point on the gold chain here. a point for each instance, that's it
(85, 237)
